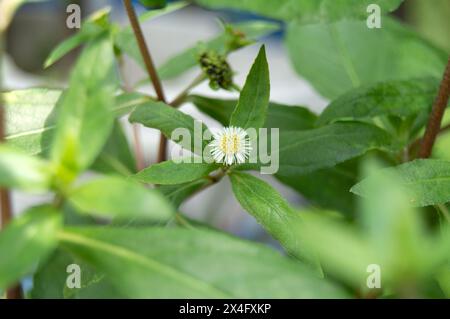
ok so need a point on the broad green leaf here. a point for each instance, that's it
(125, 40)
(22, 171)
(170, 172)
(284, 117)
(192, 264)
(119, 198)
(426, 182)
(85, 119)
(178, 193)
(187, 59)
(400, 98)
(334, 57)
(305, 11)
(251, 110)
(26, 240)
(303, 152)
(335, 195)
(272, 211)
(50, 280)
(30, 116)
(116, 156)
(168, 119)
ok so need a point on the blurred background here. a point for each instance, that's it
(39, 27)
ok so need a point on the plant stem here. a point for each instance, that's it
(6, 215)
(437, 113)
(212, 180)
(183, 95)
(149, 65)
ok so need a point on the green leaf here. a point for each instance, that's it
(251, 110)
(127, 102)
(116, 156)
(335, 196)
(303, 152)
(218, 109)
(153, 3)
(426, 182)
(444, 280)
(305, 11)
(170, 172)
(30, 116)
(178, 193)
(125, 40)
(50, 280)
(22, 171)
(182, 62)
(168, 119)
(342, 252)
(400, 98)
(396, 232)
(84, 111)
(26, 240)
(118, 198)
(192, 264)
(272, 211)
(284, 117)
(333, 57)
(88, 31)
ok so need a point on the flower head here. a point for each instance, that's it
(231, 146)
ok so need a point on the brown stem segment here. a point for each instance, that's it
(149, 65)
(437, 113)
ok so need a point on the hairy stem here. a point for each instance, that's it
(149, 65)
(437, 113)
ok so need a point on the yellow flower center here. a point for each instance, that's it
(230, 144)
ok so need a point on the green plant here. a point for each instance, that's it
(129, 237)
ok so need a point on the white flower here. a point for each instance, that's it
(230, 146)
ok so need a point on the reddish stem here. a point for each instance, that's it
(149, 65)
(437, 113)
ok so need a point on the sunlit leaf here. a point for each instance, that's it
(119, 198)
(22, 171)
(85, 116)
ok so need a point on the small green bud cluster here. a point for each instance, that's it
(217, 69)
